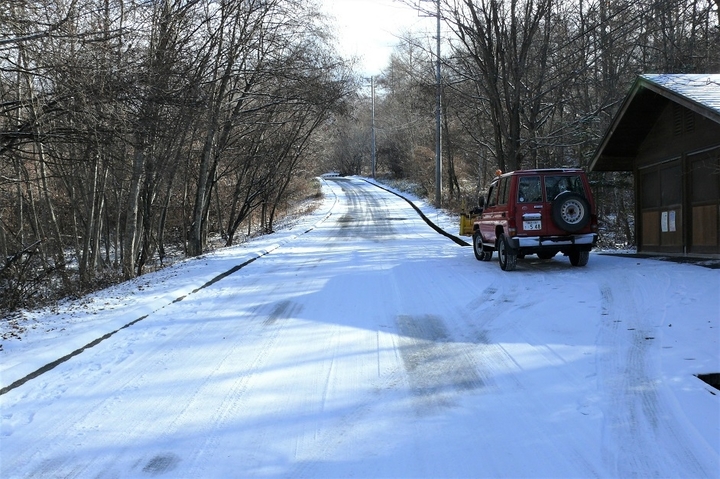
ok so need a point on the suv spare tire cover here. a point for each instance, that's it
(570, 211)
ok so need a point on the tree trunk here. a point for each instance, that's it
(89, 226)
(130, 238)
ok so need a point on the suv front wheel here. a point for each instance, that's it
(481, 254)
(507, 257)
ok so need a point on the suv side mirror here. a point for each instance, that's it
(479, 208)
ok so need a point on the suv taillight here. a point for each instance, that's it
(512, 228)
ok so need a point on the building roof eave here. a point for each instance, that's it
(648, 95)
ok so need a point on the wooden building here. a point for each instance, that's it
(667, 133)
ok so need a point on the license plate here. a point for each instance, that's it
(532, 225)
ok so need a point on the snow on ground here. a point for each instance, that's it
(359, 342)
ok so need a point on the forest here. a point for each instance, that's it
(133, 131)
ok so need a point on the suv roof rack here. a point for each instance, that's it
(545, 170)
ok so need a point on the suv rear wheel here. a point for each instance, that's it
(579, 258)
(507, 257)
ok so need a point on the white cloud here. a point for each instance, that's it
(370, 29)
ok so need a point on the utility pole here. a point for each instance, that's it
(438, 103)
(372, 131)
(438, 118)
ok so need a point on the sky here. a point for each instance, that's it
(370, 29)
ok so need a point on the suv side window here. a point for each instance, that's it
(504, 193)
(492, 195)
(529, 190)
(554, 185)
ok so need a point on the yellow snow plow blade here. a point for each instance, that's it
(466, 225)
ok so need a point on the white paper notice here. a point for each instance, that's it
(672, 221)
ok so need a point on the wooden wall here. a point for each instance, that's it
(677, 171)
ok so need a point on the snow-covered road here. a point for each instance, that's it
(362, 343)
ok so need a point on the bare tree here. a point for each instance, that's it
(122, 122)
(502, 41)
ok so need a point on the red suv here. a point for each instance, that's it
(542, 212)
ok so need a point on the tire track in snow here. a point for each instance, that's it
(437, 368)
(497, 300)
(335, 430)
(236, 397)
(186, 400)
(439, 230)
(634, 418)
(512, 372)
(101, 404)
(52, 365)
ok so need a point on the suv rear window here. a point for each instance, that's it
(554, 185)
(529, 190)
